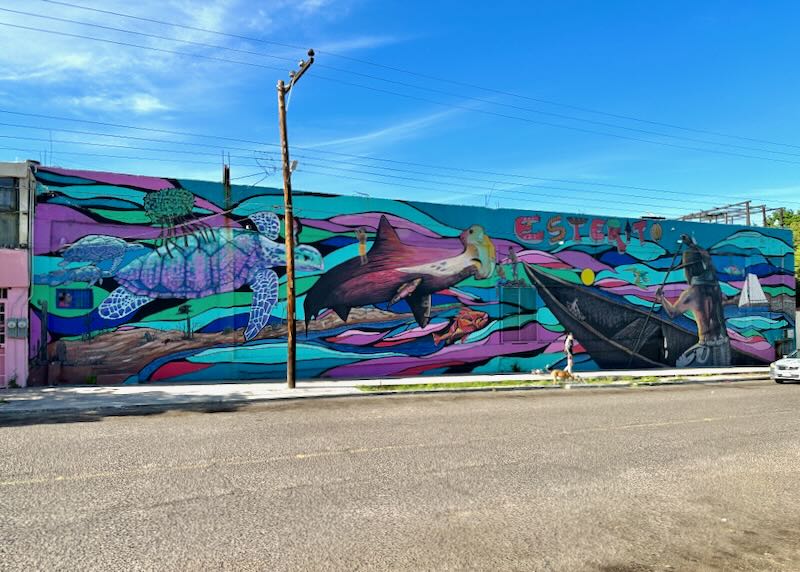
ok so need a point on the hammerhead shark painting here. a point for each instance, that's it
(396, 271)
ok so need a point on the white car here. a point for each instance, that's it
(786, 369)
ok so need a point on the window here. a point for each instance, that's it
(518, 303)
(9, 212)
(74, 298)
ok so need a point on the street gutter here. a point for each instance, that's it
(217, 404)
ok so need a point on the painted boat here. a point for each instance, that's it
(616, 333)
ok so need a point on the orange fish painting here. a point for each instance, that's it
(465, 322)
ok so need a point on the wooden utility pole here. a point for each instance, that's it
(226, 188)
(288, 221)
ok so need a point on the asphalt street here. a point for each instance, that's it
(701, 477)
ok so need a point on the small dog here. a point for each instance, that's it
(560, 375)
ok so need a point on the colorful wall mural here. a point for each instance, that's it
(144, 280)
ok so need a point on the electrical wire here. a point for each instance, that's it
(333, 153)
(555, 201)
(459, 189)
(139, 46)
(337, 172)
(339, 167)
(126, 157)
(423, 99)
(658, 201)
(459, 186)
(409, 85)
(547, 200)
(423, 75)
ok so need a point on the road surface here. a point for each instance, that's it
(671, 478)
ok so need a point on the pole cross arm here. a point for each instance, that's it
(294, 77)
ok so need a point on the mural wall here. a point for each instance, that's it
(144, 280)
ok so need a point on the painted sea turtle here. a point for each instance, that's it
(96, 248)
(90, 274)
(214, 261)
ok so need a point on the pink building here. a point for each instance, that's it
(16, 189)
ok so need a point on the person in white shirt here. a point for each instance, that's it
(569, 342)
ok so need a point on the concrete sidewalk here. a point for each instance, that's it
(44, 401)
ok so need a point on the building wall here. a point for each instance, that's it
(15, 278)
(142, 280)
(14, 305)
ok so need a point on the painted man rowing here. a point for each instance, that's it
(704, 299)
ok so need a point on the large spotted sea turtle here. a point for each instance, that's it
(214, 261)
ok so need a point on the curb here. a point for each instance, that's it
(579, 386)
(214, 405)
(221, 405)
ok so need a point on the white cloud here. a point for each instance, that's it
(58, 66)
(141, 103)
(260, 20)
(403, 130)
(357, 43)
(144, 103)
(81, 78)
(313, 6)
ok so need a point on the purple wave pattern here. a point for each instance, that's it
(449, 355)
(136, 181)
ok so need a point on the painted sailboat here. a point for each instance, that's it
(752, 293)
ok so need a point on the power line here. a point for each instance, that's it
(339, 168)
(683, 200)
(391, 161)
(554, 200)
(109, 156)
(183, 26)
(458, 188)
(139, 46)
(659, 200)
(426, 76)
(312, 150)
(194, 152)
(467, 186)
(422, 99)
(409, 85)
(148, 35)
(136, 128)
(87, 192)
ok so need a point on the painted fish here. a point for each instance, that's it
(465, 322)
(397, 271)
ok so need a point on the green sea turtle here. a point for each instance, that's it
(211, 262)
(90, 274)
(96, 248)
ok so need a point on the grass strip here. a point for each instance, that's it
(504, 383)
(607, 380)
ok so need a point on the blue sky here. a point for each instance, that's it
(726, 67)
